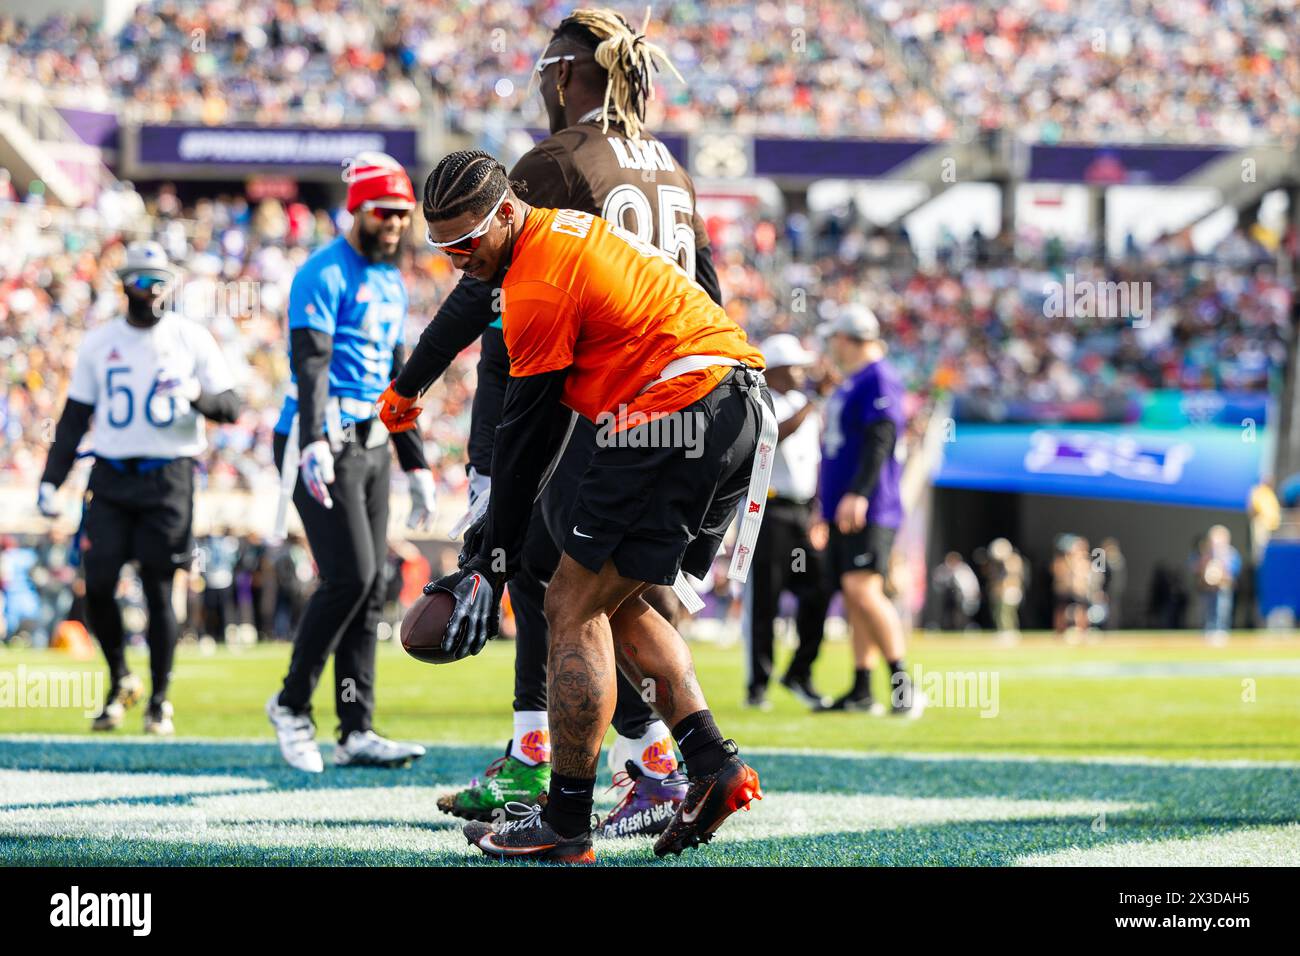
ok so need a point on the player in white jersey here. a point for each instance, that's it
(143, 379)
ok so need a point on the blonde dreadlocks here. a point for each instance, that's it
(629, 59)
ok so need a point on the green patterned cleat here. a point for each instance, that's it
(506, 780)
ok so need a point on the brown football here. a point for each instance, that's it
(425, 625)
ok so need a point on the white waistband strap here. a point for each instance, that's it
(688, 363)
(754, 504)
(689, 597)
(760, 476)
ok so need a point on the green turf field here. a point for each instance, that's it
(1143, 748)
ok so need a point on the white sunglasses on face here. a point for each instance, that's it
(546, 61)
(472, 237)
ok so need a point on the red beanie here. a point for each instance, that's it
(371, 175)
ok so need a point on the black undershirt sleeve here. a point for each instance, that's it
(73, 425)
(461, 319)
(408, 444)
(533, 425)
(489, 399)
(876, 449)
(399, 361)
(705, 273)
(310, 351)
(220, 407)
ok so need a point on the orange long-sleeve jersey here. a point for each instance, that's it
(583, 294)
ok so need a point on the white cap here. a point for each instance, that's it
(784, 350)
(854, 320)
(146, 258)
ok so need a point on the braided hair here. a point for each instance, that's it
(469, 180)
(629, 59)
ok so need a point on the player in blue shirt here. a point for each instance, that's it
(860, 500)
(347, 311)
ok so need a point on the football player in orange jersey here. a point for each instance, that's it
(601, 324)
(594, 78)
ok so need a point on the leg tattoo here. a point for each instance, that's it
(653, 656)
(581, 698)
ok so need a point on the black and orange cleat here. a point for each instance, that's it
(524, 834)
(710, 799)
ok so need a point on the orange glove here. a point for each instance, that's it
(396, 412)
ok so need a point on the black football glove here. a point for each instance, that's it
(473, 539)
(476, 618)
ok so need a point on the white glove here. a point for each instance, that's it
(317, 467)
(181, 392)
(477, 484)
(424, 500)
(186, 388)
(47, 500)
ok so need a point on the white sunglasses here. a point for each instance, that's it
(472, 236)
(546, 61)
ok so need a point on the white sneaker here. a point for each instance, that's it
(914, 712)
(297, 736)
(110, 718)
(129, 691)
(368, 749)
(159, 722)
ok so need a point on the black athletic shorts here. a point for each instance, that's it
(865, 550)
(136, 513)
(656, 510)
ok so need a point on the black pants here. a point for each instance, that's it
(349, 543)
(784, 560)
(528, 590)
(146, 517)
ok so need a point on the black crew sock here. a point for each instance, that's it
(862, 682)
(900, 683)
(568, 804)
(700, 742)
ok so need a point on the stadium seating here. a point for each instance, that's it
(1052, 72)
(962, 325)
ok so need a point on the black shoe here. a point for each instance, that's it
(526, 835)
(863, 703)
(802, 687)
(756, 699)
(710, 799)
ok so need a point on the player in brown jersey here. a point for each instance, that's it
(594, 79)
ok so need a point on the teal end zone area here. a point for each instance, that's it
(201, 802)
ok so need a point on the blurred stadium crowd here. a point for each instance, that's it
(970, 321)
(973, 323)
(1221, 71)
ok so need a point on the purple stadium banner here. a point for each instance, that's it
(1119, 165)
(92, 127)
(302, 146)
(838, 158)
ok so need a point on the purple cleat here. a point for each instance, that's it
(648, 805)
